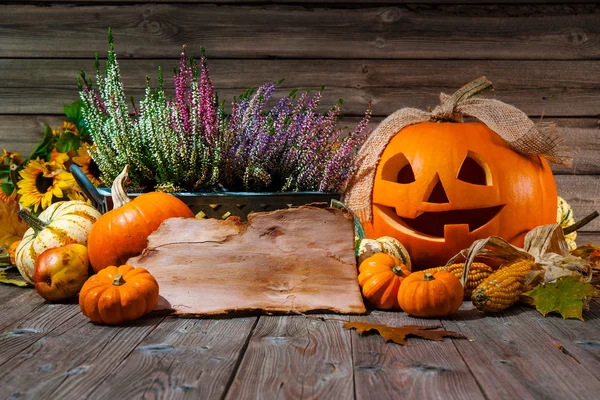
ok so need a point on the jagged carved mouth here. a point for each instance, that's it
(432, 223)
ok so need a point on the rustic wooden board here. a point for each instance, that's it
(19, 306)
(292, 260)
(384, 100)
(233, 31)
(540, 77)
(584, 238)
(421, 370)
(513, 357)
(328, 3)
(8, 292)
(181, 358)
(577, 339)
(295, 357)
(583, 193)
(75, 359)
(17, 338)
(72, 352)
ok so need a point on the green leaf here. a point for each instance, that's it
(68, 141)
(7, 188)
(566, 296)
(73, 111)
(44, 148)
(12, 281)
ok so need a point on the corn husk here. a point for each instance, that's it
(545, 245)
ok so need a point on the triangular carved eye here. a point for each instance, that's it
(406, 174)
(397, 169)
(475, 170)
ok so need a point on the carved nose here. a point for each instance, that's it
(438, 194)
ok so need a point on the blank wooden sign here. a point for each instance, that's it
(293, 260)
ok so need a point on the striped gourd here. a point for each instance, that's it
(60, 224)
(503, 287)
(384, 244)
(477, 274)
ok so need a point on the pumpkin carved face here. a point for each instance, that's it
(440, 186)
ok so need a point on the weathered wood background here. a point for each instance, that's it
(543, 57)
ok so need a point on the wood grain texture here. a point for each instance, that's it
(8, 292)
(292, 260)
(420, 370)
(181, 358)
(282, 31)
(328, 3)
(582, 192)
(550, 88)
(577, 339)
(18, 337)
(513, 357)
(294, 357)
(89, 354)
(584, 238)
(71, 354)
(19, 306)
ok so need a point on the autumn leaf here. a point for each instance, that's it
(566, 296)
(12, 228)
(12, 281)
(398, 334)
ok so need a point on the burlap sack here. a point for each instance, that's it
(521, 134)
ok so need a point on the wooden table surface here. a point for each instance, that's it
(51, 351)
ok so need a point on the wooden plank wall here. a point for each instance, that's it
(543, 57)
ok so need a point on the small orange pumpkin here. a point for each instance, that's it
(380, 277)
(123, 232)
(118, 294)
(425, 294)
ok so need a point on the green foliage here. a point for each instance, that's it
(44, 148)
(68, 141)
(566, 296)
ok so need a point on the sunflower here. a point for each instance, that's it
(88, 165)
(10, 197)
(58, 160)
(77, 194)
(66, 126)
(40, 184)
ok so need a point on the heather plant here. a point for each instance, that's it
(191, 143)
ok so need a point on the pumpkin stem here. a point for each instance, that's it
(581, 223)
(118, 280)
(119, 195)
(428, 276)
(398, 270)
(37, 224)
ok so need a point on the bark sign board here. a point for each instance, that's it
(297, 259)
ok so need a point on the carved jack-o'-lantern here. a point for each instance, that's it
(441, 185)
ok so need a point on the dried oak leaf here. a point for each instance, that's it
(398, 334)
(12, 228)
(567, 296)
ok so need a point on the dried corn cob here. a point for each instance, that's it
(503, 287)
(477, 274)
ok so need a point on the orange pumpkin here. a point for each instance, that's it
(123, 232)
(439, 186)
(380, 277)
(425, 294)
(115, 295)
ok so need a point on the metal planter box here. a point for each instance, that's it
(214, 205)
